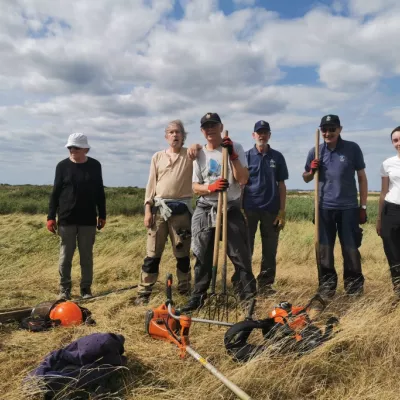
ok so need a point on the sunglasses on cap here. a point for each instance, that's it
(74, 148)
(330, 129)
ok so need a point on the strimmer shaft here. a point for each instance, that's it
(204, 321)
(230, 385)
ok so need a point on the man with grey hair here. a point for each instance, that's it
(168, 211)
(77, 196)
(264, 202)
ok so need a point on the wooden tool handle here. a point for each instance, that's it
(316, 198)
(225, 160)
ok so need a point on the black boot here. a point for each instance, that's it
(195, 303)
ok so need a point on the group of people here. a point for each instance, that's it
(256, 194)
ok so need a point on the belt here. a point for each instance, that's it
(392, 205)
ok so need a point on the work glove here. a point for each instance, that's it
(51, 225)
(220, 185)
(314, 165)
(227, 142)
(363, 216)
(280, 220)
(100, 223)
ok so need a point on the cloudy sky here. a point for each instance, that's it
(118, 70)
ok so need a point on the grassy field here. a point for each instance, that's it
(29, 199)
(360, 362)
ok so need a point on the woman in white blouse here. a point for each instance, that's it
(388, 223)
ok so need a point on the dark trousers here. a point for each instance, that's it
(269, 242)
(346, 224)
(390, 233)
(238, 250)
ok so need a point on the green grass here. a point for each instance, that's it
(128, 201)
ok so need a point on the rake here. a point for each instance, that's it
(218, 304)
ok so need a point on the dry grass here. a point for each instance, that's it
(360, 362)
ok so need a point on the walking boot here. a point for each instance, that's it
(86, 293)
(65, 294)
(141, 300)
(195, 303)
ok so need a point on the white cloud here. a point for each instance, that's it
(394, 114)
(244, 2)
(365, 7)
(120, 70)
(339, 74)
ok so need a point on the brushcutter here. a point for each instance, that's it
(164, 323)
(218, 304)
(288, 328)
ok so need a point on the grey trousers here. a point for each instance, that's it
(238, 250)
(70, 235)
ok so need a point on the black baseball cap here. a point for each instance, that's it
(261, 125)
(330, 120)
(210, 117)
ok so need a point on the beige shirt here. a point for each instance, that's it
(170, 176)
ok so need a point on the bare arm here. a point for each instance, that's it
(384, 191)
(240, 173)
(200, 189)
(150, 193)
(151, 183)
(363, 186)
(308, 176)
(193, 151)
(282, 195)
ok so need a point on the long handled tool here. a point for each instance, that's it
(219, 304)
(316, 204)
(163, 323)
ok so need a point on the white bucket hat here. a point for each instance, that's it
(78, 140)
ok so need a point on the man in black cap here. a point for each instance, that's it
(340, 211)
(207, 182)
(264, 201)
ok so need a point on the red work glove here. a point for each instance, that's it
(51, 225)
(100, 223)
(220, 185)
(363, 216)
(227, 142)
(314, 165)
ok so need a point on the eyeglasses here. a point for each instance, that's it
(330, 129)
(263, 132)
(74, 148)
(207, 125)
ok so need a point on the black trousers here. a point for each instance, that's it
(345, 224)
(269, 242)
(390, 233)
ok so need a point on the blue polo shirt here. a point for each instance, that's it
(337, 184)
(265, 171)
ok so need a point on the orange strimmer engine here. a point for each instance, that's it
(159, 323)
(296, 318)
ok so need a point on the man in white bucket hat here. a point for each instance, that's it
(77, 197)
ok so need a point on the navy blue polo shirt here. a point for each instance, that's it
(265, 171)
(337, 184)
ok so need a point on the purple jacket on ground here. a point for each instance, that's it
(86, 362)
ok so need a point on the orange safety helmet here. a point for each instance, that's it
(68, 313)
